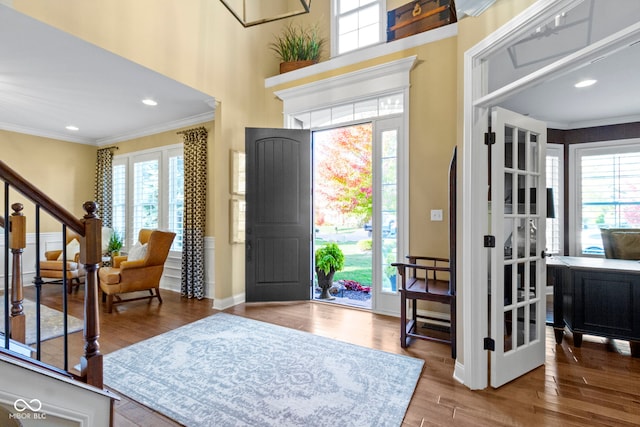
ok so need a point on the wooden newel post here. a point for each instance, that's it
(91, 256)
(17, 243)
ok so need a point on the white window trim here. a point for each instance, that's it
(391, 77)
(128, 159)
(576, 151)
(557, 150)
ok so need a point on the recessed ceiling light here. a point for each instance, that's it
(585, 83)
(71, 127)
(150, 102)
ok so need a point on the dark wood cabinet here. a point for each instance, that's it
(596, 297)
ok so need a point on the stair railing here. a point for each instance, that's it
(89, 229)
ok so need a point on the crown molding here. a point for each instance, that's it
(45, 134)
(164, 127)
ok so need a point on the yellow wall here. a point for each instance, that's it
(64, 171)
(200, 44)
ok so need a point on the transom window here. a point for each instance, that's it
(356, 24)
(353, 111)
(148, 192)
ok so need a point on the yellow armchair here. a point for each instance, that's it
(52, 266)
(131, 275)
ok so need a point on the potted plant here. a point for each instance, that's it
(329, 259)
(297, 46)
(115, 244)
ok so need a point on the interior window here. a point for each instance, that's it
(608, 187)
(148, 192)
(356, 24)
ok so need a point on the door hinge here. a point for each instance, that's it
(489, 344)
(489, 138)
(489, 241)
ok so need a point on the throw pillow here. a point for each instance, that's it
(138, 251)
(73, 247)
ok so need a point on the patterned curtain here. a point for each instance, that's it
(104, 185)
(195, 199)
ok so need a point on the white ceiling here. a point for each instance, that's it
(613, 99)
(50, 79)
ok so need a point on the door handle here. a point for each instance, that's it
(543, 254)
(249, 247)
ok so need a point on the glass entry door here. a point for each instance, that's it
(518, 272)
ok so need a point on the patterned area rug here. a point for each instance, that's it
(51, 321)
(226, 370)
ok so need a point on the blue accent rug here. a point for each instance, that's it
(227, 370)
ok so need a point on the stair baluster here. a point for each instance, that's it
(91, 256)
(17, 244)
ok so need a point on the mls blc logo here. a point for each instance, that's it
(22, 405)
(28, 410)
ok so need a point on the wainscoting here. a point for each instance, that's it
(171, 279)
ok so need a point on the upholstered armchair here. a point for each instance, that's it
(621, 243)
(52, 267)
(140, 270)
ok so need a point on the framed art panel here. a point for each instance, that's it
(237, 215)
(237, 159)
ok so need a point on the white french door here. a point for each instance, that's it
(518, 270)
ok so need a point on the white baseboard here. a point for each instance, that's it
(222, 304)
(458, 372)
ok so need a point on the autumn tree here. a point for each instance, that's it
(343, 171)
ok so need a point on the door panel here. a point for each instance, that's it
(518, 271)
(278, 228)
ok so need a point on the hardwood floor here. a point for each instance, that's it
(597, 384)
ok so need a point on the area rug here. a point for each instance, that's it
(227, 370)
(51, 321)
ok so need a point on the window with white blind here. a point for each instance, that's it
(607, 184)
(555, 161)
(357, 24)
(148, 192)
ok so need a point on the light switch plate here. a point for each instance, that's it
(436, 214)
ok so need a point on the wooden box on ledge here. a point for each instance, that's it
(418, 16)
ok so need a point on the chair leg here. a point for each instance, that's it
(158, 294)
(403, 320)
(452, 328)
(109, 303)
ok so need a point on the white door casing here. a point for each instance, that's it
(477, 101)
